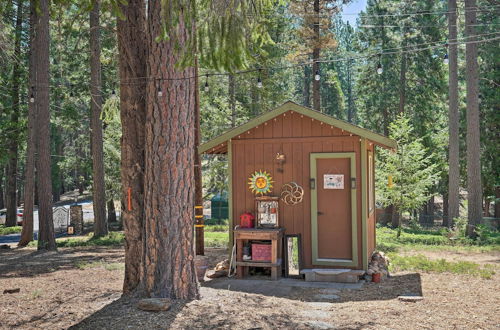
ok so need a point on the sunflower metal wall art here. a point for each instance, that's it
(260, 182)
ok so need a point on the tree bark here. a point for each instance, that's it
(98, 194)
(46, 239)
(29, 176)
(232, 98)
(306, 93)
(350, 101)
(474, 188)
(11, 175)
(446, 222)
(402, 84)
(111, 211)
(132, 53)
(497, 202)
(2, 172)
(169, 170)
(198, 189)
(453, 118)
(316, 54)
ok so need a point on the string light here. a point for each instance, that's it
(317, 77)
(206, 83)
(160, 92)
(113, 93)
(445, 59)
(32, 96)
(259, 81)
(379, 65)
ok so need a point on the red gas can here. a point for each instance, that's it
(246, 220)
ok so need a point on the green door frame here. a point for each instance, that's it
(314, 210)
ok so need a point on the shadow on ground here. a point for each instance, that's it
(296, 289)
(29, 263)
(123, 313)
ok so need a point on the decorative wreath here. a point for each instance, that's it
(260, 182)
(292, 193)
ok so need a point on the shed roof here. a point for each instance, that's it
(292, 106)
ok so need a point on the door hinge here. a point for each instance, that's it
(312, 183)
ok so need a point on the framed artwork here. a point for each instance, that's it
(333, 181)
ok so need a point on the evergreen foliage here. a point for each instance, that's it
(412, 171)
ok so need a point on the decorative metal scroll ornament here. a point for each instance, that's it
(292, 193)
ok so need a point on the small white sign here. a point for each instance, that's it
(333, 181)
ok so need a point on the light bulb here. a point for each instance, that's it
(379, 69)
(206, 86)
(160, 92)
(445, 59)
(113, 93)
(32, 98)
(317, 77)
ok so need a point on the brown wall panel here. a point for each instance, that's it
(293, 136)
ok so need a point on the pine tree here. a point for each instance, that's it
(98, 195)
(474, 188)
(412, 171)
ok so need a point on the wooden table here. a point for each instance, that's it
(275, 235)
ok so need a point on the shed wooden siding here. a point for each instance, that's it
(296, 136)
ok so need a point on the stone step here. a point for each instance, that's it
(332, 275)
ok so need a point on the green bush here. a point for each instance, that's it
(487, 236)
(10, 230)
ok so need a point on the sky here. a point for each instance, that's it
(354, 7)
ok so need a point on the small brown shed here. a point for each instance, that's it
(332, 160)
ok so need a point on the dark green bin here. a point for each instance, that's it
(220, 207)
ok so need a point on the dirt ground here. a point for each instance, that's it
(80, 288)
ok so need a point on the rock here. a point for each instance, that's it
(411, 298)
(16, 290)
(5, 247)
(216, 274)
(223, 265)
(154, 304)
(327, 296)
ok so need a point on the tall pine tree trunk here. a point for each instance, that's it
(497, 202)
(29, 176)
(132, 53)
(46, 239)
(316, 54)
(111, 211)
(2, 204)
(198, 189)
(232, 98)
(474, 189)
(306, 92)
(350, 101)
(11, 174)
(99, 198)
(453, 119)
(169, 170)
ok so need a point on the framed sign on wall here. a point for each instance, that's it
(333, 181)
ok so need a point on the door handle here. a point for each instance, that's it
(320, 213)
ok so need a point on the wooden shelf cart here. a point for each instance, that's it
(275, 235)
